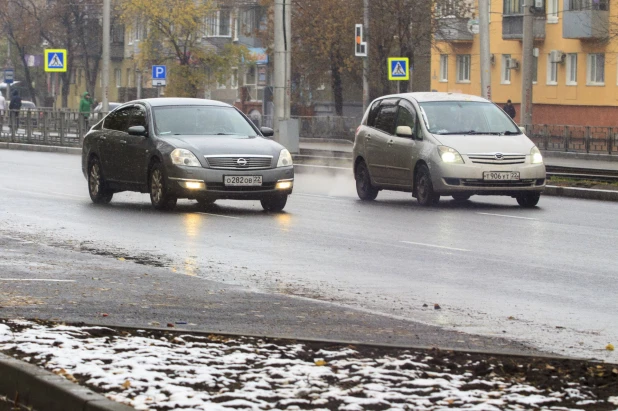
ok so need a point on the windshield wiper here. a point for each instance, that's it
(511, 133)
(470, 132)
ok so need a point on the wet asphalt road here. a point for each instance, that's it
(547, 277)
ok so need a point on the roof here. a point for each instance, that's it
(423, 97)
(177, 101)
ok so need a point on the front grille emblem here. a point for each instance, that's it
(499, 156)
(242, 162)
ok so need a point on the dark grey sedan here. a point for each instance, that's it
(185, 148)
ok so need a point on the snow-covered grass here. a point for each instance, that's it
(158, 370)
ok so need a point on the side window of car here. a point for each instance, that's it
(386, 119)
(407, 118)
(121, 119)
(138, 117)
(373, 113)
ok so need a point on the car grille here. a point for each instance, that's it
(484, 183)
(233, 163)
(491, 159)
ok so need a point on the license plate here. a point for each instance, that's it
(242, 181)
(501, 175)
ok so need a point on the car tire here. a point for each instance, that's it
(461, 197)
(365, 190)
(99, 193)
(528, 200)
(160, 196)
(424, 188)
(205, 202)
(275, 203)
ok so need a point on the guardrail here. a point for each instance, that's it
(576, 139)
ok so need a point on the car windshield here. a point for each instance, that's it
(466, 117)
(201, 120)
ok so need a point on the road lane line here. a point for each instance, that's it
(509, 216)
(219, 215)
(436, 246)
(37, 279)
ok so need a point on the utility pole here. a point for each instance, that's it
(366, 58)
(485, 50)
(527, 65)
(282, 68)
(105, 68)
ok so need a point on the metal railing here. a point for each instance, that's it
(576, 139)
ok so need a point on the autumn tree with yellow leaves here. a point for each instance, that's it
(175, 36)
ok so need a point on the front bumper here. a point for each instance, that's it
(467, 178)
(209, 183)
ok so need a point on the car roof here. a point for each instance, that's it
(177, 101)
(423, 97)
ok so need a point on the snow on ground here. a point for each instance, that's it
(163, 371)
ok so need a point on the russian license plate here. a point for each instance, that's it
(242, 181)
(501, 175)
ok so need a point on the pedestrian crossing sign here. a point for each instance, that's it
(56, 61)
(398, 68)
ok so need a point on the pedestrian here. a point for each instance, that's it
(85, 105)
(509, 109)
(2, 108)
(14, 107)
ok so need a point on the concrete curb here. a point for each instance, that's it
(35, 387)
(583, 193)
(40, 148)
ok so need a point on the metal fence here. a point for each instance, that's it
(67, 128)
(577, 139)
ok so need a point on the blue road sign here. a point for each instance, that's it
(55, 61)
(9, 76)
(398, 68)
(159, 75)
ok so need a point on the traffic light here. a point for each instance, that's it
(361, 46)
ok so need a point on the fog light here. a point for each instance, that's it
(284, 185)
(193, 185)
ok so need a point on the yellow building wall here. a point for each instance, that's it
(560, 94)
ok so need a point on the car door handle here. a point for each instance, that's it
(368, 138)
(390, 143)
(123, 142)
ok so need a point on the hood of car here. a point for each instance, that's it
(479, 144)
(219, 145)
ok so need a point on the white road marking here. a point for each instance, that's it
(435, 246)
(37, 279)
(220, 215)
(316, 166)
(508, 216)
(50, 194)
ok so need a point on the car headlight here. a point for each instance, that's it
(285, 159)
(535, 156)
(450, 155)
(182, 157)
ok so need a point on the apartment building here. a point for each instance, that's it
(575, 57)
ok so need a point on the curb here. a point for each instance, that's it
(32, 386)
(40, 148)
(583, 193)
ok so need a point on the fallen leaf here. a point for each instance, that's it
(609, 347)
(104, 315)
(549, 367)
(437, 307)
(126, 385)
(319, 362)
(170, 325)
(121, 259)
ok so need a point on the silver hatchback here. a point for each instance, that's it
(445, 144)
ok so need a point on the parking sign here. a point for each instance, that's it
(159, 75)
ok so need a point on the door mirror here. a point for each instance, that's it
(137, 131)
(522, 129)
(404, 131)
(267, 131)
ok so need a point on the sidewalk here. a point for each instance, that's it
(552, 158)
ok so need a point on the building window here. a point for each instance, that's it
(506, 71)
(444, 68)
(453, 8)
(463, 68)
(552, 11)
(596, 69)
(580, 5)
(552, 72)
(118, 76)
(571, 69)
(219, 24)
(513, 7)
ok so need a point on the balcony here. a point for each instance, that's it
(513, 27)
(453, 29)
(585, 20)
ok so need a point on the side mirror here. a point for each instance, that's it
(522, 129)
(404, 131)
(267, 131)
(137, 131)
